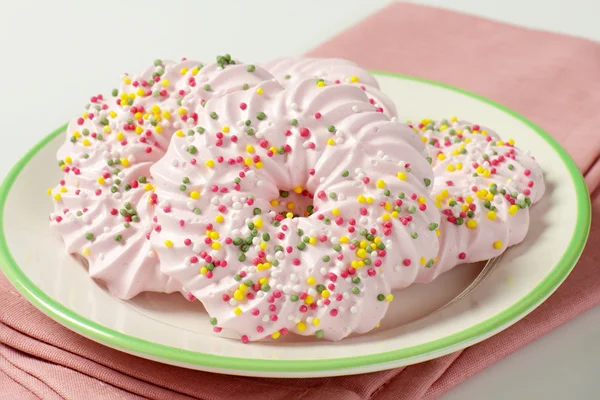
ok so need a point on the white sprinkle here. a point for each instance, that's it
(355, 108)
(259, 183)
(265, 318)
(106, 229)
(320, 303)
(214, 201)
(117, 195)
(290, 317)
(346, 295)
(293, 277)
(286, 289)
(312, 292)
(323, 271)
(174, 163)
(197, 248)
(260, 294)
(297, 319)
(353, 309)
(342, 309)
(397, 268)
(294, 107)
(232, 302)
(309, 320)
(297, 288)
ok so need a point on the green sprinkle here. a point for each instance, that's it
(301, 245)
(294, 297)
(294, 122)
(192, 149)
(355, 290)
(89, 236)
(320, 334)
(261, 116)
(414, 235)
(331, 128)
(265, 287)
(433, 226)
(380, 297)
(251, 68)
(213, 321)
(115, 92)
(345, 173)
(245, 86)
(242, 257)
(214, 115)
(326, 258)
(427, 181)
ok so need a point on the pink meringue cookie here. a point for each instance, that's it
(484, 187)
(105, 204)
(258, 269)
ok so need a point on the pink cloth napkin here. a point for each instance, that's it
(552, 79)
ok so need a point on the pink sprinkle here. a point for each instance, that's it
(304, 132)
(243, 106)
(255, 312)
(333, 312)
(462, 256)
(406, 262)
(318, 115)
(245, 339)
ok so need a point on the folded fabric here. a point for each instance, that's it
(41, 359)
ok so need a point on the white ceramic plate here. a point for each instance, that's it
(169, 329)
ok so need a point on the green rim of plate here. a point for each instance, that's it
(152, 350)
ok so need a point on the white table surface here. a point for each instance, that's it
(55, 54)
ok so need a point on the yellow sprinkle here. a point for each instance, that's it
(263, 245)
(68, 160)
(423, 139)
(168, 244)
(370, 200)
(120, 136)
(344, 239)
(512, 210)
(453, 119)
(491, 215)
(101, 181)
(216, 245)
(385, 217)
(290, 205)
(209, 163)
(362, 253)
(298, 189)
(380, 184)
(183, 71)
(139, 129)
(86, 142)
(219, 218)
(259, 165)
(394, 214)
(148, 187)
(498, 244)
(195, 195)
(441, 157)
(311, 281)
(237, 311)
(320, 84)
(213, 235)
(387, 206)
(331, 142)
(107, 129)
(289, 215)
(402, 176)
(248, 161)
(469, 199)
(258, 223)
(335, 211)
(361, 199)
(363, 244)
(125, 162)
(57, 196)
(182, 111)
(139, 92)
(325, 293)
(308, 299)
(238, 295)
(127, 80)
(260, 91)
(459, 166)
(203, 270)
(422, 260)
(301, 326)
(49, 192)
(166, 114)
(422, 200)
(262, 281)
(165, 83)
(354, 79)
(389, 298)
(472, 224)
(275, 335)
(511, 142)
(316, 321)
(274, 203)
(63, 189)
(225, 129)
(85, 252)
(312, 240)
(438, 232)
(250, 149)
(450, 168)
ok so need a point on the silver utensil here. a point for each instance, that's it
(485, 272)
